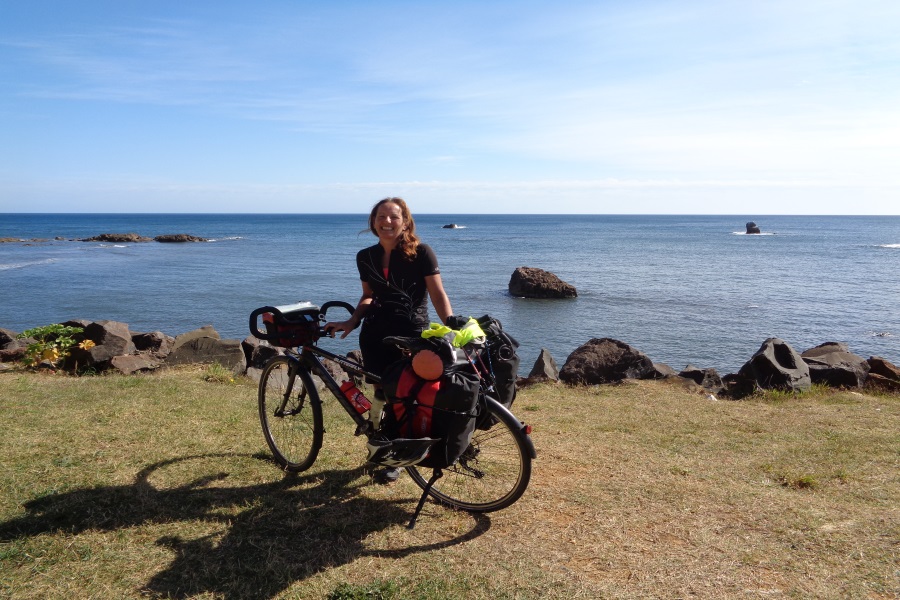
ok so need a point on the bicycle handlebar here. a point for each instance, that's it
(348, 307)
(302, 312)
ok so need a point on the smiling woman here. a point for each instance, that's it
(398, 274)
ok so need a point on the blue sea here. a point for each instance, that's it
(682, 289)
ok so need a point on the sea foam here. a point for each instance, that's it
(30, 263)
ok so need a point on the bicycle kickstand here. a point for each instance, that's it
(435, 475)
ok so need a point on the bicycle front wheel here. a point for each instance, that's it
(290, 413)
(492, 473)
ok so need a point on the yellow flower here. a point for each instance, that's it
(50, 354)
(87, 344)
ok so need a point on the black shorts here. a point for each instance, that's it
(378, 356)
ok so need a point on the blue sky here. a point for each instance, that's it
(786, 107)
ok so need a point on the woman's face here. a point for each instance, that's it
(389, 223)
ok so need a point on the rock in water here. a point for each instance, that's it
(529, 282)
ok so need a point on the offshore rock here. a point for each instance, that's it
(833, 364)
(530, 282)
(752, 228)
(117, 238)
(605, 360)
(179, 238)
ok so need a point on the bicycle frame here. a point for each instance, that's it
(309, 356)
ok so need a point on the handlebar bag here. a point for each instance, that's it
(293, 325)
(443, 408)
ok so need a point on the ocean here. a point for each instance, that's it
(682, 289)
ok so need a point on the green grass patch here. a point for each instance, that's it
(161, 485)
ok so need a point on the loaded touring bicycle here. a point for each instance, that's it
(446, 419)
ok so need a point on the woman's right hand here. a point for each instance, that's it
(336, 326)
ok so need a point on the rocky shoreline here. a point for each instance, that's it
(114, 238)
(776, 365)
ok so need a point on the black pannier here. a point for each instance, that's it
(500, 358)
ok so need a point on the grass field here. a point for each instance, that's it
(161, 486)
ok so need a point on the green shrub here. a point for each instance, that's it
(52, 343)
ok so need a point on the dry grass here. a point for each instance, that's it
(160, 486)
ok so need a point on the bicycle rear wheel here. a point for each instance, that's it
(290, 413)
(492, 473)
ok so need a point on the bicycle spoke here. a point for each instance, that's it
(290, 414)
(491, 474)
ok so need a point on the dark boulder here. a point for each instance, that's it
(833, 364)
(77, 323)
(12, 353)
(529, 282)
(205, 346)
(117, 238)
(337, 373)
(110, 339)
(156, 343)
(208, 350)
(133, 363)
(881, 383)
(178, 238)
(707, 378)
(884, 368)
(355, 356)
(258, 352)
(883, 375)
(605, 360)
(207, 331)
(8, 336)
(544, 368)
(12, 349)
(661, 371)
(752, 228)
(776, 366)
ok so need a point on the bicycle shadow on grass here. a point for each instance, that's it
(266, 536)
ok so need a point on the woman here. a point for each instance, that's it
(399, 274)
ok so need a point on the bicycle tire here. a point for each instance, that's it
(492, 473)
(290, 413)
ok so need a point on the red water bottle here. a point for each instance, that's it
(356, 397)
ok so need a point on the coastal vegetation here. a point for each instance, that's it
(51, 343)
(160, 485)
